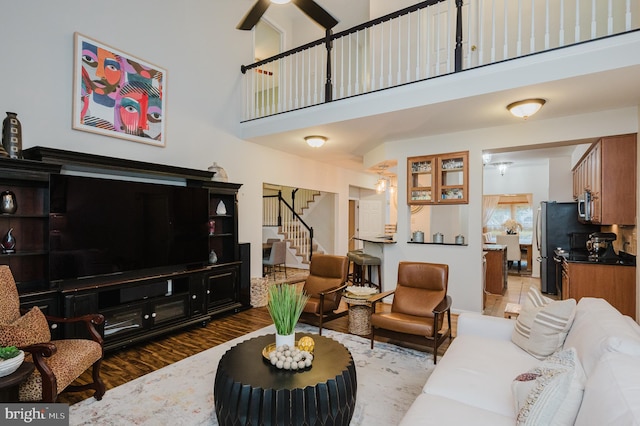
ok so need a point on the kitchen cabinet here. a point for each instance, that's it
(608, 172)
(614, 283)
(438, 179)
(496, 272)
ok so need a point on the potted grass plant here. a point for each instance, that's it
(285, 306)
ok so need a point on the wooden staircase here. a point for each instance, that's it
(290, 226)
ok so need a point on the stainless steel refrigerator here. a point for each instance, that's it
(555, 223)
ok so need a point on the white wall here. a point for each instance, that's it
(198, 45)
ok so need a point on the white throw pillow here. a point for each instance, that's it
(612, 392)
(599, 328)
(551, 393)
(543, 324)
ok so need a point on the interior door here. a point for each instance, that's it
(370, 218)
(441, 37)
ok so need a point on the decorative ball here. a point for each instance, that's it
(290, 358)
(306, 343)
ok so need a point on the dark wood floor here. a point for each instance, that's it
(124, 365)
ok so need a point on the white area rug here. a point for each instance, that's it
(389, 379)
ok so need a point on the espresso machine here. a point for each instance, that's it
(600, 246)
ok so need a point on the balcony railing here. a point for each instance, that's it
(430, 39)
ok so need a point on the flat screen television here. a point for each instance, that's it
(103, 227)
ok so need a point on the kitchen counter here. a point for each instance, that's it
(376, 240)
(498, 247)
(582, 256)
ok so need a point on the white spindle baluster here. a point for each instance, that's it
(263, 100)
(577, 28)
(418, 44)
(334, 72)
(428, 44)
(561, 35)
(365, 61)
(342, 79)
(532, 40)
(493, 31)
(594, 24)
(357, 59)
(505, 47)
(546, 26)
(610, 18)
(291, 83)
(519, 41)
(349, 66)
(381, 85)
(308, 74)
(297, 94)
(271, 88)
(408, 78)
(390, 56)
(450, 42)
(315, 73)
(399, 53)
(373, 58)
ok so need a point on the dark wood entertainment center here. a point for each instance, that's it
(137, 305)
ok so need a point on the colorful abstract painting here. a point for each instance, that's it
(116, 94)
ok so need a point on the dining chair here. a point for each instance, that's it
(277, 257)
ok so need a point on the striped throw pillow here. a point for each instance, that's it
(543, 324)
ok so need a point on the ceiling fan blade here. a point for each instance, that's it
(254, 15)
(316, 12)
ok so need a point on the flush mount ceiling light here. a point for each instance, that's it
(280, 1)
(526, 108)
(315, 141)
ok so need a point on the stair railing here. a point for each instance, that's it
(277, 212)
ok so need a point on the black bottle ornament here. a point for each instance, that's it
(9, 242)
(12, 135)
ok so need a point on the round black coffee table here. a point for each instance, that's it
(248, 390)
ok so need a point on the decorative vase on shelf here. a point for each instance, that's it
(213, 257)
(220, 175)
(9, 242)
(222, 209)
(12, 135)
(8, 203)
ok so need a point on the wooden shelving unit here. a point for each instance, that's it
(438, 179)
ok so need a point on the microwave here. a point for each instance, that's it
(584, 207)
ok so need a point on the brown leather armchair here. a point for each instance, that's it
(419, 303)
(324, 285)
(58, 362)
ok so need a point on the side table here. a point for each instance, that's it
(248, 390)
(10, 385)
(359, 314)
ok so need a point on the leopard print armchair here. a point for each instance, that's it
(58, 362)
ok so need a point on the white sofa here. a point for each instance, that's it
(472, 382)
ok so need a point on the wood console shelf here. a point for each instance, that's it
(137, 304)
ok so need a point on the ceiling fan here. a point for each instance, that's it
(312, 9)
